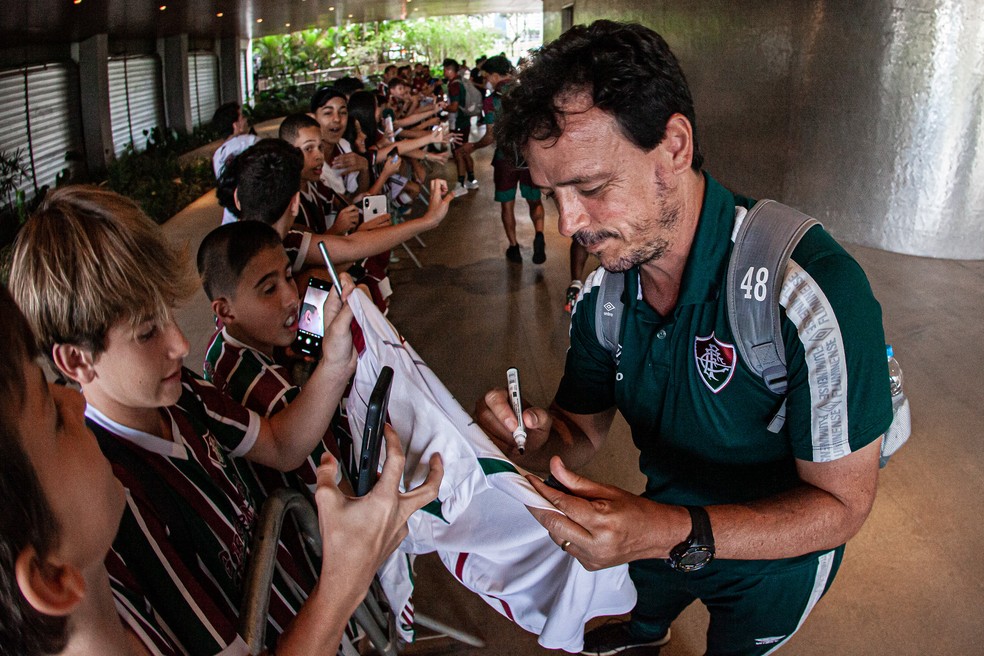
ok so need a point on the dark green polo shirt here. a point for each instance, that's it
(698, 415)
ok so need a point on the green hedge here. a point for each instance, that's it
(155, 178)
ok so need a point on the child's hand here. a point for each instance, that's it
(360, 138)
(347, 219)
(335, 302)
(348, 286)
(392, 164)
(439, 136)
(440, 201)
(337, 351)
(377, 522)
(350, 163)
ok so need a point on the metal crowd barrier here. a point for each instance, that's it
(373, 614)
(378, 625)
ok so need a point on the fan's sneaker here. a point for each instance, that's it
(539, 249)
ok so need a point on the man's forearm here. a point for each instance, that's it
(815, 516)
(614, 526)
(823, 513)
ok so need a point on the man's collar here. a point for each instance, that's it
(708, 255)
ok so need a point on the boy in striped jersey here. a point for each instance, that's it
(98, 283)
(520, 573)
(247, 278)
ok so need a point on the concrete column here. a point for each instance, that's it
(230, 65)
(553, 12)
(97, 129)
(173, 51)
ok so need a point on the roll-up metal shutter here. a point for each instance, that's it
(203, 82)
(40, 115)
(243, 76)
(136, 99)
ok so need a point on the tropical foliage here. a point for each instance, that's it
(363, 47)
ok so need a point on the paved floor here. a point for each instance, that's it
(912, 580)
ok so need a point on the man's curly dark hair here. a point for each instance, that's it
(627, 68)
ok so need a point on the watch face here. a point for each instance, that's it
(693, 559)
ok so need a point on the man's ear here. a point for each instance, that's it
(51, 588)
(223, 310)
(678, 143)
(75, 362)
(235, 199)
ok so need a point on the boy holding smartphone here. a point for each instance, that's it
(321, 209)
(247, 278)
(246, 275)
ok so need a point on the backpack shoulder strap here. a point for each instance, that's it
(764, 241)
(608, 310)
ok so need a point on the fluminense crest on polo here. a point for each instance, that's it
(715, 361)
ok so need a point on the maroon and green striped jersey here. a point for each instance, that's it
(296, 244)
(179, 560)
(261, 384)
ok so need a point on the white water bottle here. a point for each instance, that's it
(894, 376)
(898, 433)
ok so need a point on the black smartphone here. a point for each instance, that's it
(311, 322)
(557, 485)
(372, 434)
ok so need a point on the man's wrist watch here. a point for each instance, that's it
(698, 549)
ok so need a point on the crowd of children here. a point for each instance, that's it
(130, 514)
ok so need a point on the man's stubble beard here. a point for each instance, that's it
(650, 251)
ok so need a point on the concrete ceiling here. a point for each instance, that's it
(27, 22)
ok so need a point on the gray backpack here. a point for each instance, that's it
(473, 99)
(764, 242)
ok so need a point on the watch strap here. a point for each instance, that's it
(700, 528)
(698, 549)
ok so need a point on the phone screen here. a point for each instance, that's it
(372, 434)
(311, 322)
